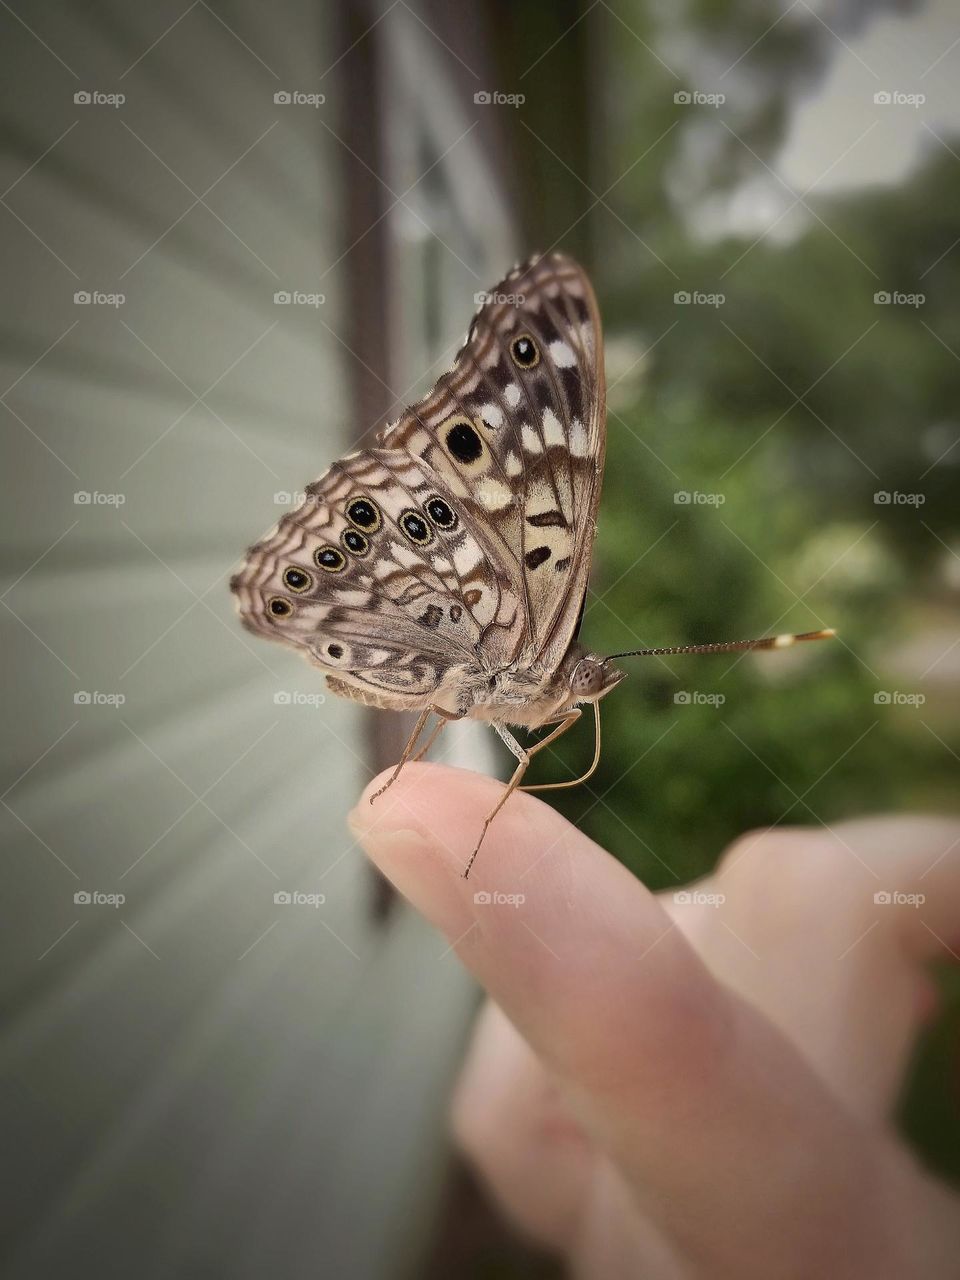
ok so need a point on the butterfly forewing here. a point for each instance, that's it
(465, 537)
(517, 429)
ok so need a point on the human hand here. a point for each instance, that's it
(686, 1089)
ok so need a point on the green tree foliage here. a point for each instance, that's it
(796, 401)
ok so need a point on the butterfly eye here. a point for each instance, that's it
(416, 528)
(297, 580)
(330, 558)
(355, 542)
(280, 608)
(463, 442)
(441, 513)
(364, 514)
(525, 351)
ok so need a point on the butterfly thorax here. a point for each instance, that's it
(526, 695)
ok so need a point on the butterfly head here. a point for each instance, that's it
(592, 677)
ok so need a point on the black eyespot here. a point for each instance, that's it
(431, 617)
(280, 608)
(441, 513)
(364, 514)
(525, 351)
(296, 579)
(416, 528)
(536, 557)
(330, 558)
(464, 443)
(355, 542)
(335, 650)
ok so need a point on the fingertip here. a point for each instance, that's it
(446, 808)
(421, 831)
(417, 786)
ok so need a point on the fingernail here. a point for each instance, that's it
(382, 844)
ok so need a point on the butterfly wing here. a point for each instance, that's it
(517, 431)
(377, 579)
(463, 542)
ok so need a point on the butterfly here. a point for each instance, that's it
(445, 570)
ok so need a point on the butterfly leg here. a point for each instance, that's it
(435, 732)
(524, 755)
(574, 782)
(444, 716)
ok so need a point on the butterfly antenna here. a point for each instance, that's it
(729, 646)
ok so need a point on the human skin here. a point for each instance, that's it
(690, 1089)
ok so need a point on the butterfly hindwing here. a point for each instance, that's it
(374, 576)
